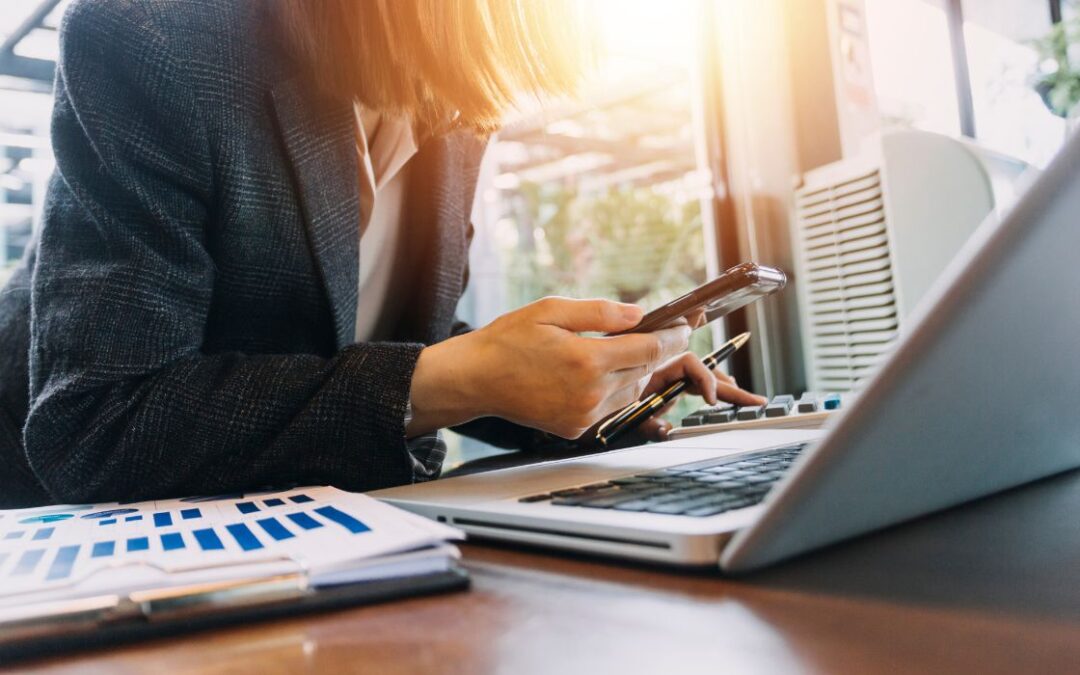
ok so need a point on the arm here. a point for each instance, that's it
(494, 430)
(123, 402)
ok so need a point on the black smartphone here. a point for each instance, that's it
(735, 288)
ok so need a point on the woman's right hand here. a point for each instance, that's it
(532, 367)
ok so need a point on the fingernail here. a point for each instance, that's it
(632, 313)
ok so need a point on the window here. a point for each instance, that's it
(602, 197)
(1009, 115)
(26, 62)
(919, 84)
(912, 64)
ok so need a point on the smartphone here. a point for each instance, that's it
(735, 288)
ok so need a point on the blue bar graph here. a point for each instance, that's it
(162, 520)
(17, 534)
(44, 533)
(247, 507)
(172, 541)
(131, 518)
(27, 562)
(274, 502)
(300, 499)
(275, 529)
(110, 521)
(110, 513)
(103, 549)
(304, 520)
(62, 563)
(244, 536)
(137, 544)
(208, 540)
(190, 514)
(341, 518)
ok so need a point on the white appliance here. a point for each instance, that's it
(873, 233)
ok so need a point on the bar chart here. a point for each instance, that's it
(56, 546)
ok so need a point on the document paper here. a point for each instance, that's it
(61, 552)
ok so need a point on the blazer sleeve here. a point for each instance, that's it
(124, 405)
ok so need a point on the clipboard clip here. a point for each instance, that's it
(63, 617)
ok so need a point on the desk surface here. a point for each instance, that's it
(992, 587)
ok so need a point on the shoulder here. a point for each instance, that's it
(211, 34)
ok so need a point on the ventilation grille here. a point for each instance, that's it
(847, 279)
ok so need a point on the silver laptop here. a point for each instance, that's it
(980, 395)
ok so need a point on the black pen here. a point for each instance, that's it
(637, 413)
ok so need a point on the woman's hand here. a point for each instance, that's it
(713, 385)
(532, 367)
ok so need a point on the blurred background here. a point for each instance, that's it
(686, 152)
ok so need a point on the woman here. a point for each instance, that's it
(254, 243)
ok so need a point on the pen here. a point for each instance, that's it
(637, 413)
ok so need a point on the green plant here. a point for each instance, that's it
(627, 243)
(1058, 77)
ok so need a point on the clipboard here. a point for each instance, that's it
(83, 576)
(103, 621)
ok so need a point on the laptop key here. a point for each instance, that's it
(631, 480)
(710, 510)
(757, 480)
(569, 492)
(535, 498)
(671, 508)
(607, 502)
(714, 479)
(596, 486)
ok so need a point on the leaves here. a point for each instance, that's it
(632, 244)
(1058, 78)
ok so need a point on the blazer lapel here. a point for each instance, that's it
(321, 143)
(440, 200)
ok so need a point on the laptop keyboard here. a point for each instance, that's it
(699, 489)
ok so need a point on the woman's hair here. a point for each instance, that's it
(437, 60)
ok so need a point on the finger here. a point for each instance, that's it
(732, 394)
(696, 319)
(702, 380)
(724, 378)
(641, 349)
(580, 316)
(654, 429)
(673, 341)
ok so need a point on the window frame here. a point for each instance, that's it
(954, 12)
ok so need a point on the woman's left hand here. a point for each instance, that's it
(713, 385)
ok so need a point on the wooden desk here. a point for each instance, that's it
(993, 587)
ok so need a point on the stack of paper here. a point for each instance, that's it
(331, 537)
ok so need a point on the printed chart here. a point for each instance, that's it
(62, 546)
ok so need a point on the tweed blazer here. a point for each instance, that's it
(184, 323)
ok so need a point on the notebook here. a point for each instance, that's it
(69, 572)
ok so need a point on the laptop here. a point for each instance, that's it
(979, 395)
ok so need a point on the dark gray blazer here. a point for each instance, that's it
(185, 323)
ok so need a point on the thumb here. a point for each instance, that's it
(580, 316)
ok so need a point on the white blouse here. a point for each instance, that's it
(384, 145)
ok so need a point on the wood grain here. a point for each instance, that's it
(990, 588)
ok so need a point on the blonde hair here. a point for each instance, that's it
(442, 60)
